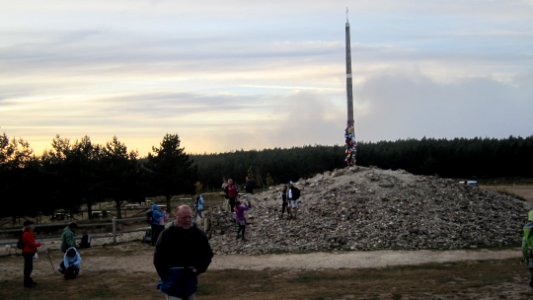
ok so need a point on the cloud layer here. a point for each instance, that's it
(239, 75)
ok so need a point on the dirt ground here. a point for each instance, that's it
(523, 190)
(125, 271)
(137, 257)
(115, 272)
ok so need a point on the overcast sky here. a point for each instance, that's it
(231, 75)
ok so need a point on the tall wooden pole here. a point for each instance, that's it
(349, 133)
(349, 92)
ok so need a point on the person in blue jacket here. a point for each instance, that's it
(72, 262)
(156, 226)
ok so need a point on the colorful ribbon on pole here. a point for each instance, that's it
(351, 146)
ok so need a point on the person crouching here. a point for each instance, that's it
(72, 262)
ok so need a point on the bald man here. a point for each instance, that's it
(182, 252)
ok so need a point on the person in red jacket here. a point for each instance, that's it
(232, 192)
(29, 248)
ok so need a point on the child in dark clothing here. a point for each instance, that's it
(240, 208)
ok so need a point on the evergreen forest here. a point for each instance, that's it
(82, 173)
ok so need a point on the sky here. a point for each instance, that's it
(250, 75)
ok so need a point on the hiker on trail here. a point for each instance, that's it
(293, 194)
(240, 208)
(284, 201)
(156, 226)
(181, 253)
(72, 263)
(29, 250)
(68, 237)
(232, 192)
(199, 206)
(527, 246)
(249, 185)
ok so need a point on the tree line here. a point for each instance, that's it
(456, 158)
(79, 173)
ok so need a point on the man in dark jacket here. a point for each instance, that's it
(182, 252)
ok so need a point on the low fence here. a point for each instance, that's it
(113, 231)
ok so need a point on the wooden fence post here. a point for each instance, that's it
(114, 230)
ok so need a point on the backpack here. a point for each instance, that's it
(200, 203)
(295, 193)
(149, 217)
(20, 243)
(85, 241)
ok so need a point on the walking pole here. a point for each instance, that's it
(50, 260)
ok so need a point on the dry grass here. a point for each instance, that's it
(523, 191)
(503, 279)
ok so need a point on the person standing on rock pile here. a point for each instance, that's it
(240, 209)
(293, 194)
(527, 246)
(249, 188)
(284, 201)
(225, 204)
(232, 192)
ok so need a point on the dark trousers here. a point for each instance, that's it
(71, 272)
(28, 267)
(284, 208)
(242, 229)
(156, 230)
(232, 203)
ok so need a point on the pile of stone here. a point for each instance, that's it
(370, 209)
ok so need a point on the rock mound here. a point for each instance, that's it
(370, 209)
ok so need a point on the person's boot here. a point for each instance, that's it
(28, 284)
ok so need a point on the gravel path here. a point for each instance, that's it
(97, 260)
(358, 259)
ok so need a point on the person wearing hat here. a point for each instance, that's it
(29, 248)
(527, 245)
